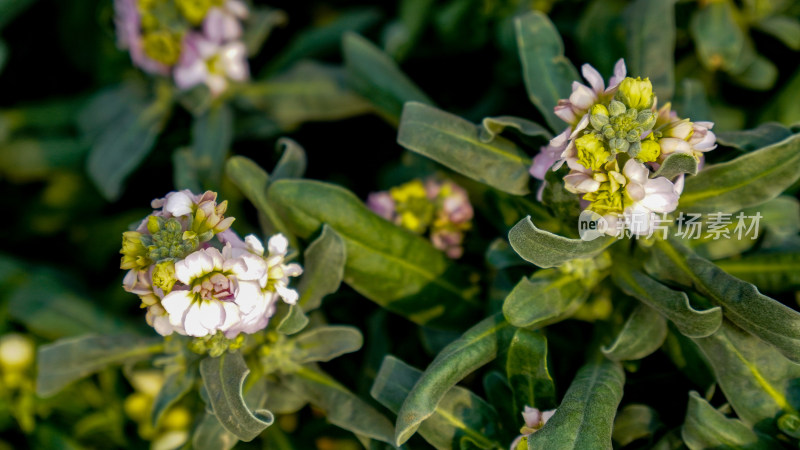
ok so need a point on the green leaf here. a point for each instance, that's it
(476, 347)
(674, 305)
(3, 55)
(705, 427)
(184, 170)
(545, 249)
(223, 378)
(282, 400)
(258, 25)
(748, 180)
(526, 369)
(460, 416)
(9, 9)
(545, 298)
(785, 28)
(456, 143)
(376, 76)
(548, 74)
(756, 379)
(676, 164)
(253, 181)
(48, 307)
(500, 255)
(720, 41)
(307, 92)
(124, 137)
(692, 99)
(772, 272)
(760, 75)
(292, 163)
(324, 262)
(211, 435)
(493, 126)
(342, 408)
(642, 334)
(586, 415)
(326, 343)
(754, 139)
(740, 301)
(635, 421)
(293, 321)
(650, 33)
(178, 382)
(68, 360)
(390, 266)
(322, 40)
(212, 134)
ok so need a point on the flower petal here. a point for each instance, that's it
(593, 77)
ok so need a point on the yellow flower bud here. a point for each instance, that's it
(137, 406)
(194, 10)
(599, 109)
(636, 93)
(650, 151)
(16, 352)
(591, 152)
(164, 276)
(162, 46)
(177, 418)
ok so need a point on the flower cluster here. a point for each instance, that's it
(194, 41)
(196, 277)
(442, 207)
(615, 139)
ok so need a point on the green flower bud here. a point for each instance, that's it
(598, 121)
(646, 119)
(790, 424)
(636, 93)
(616, 108)
(635, 148)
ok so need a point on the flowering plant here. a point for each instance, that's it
(613, 267)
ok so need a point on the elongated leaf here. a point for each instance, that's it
(309, 91)
(475, 348)
(392, 267)
(705, 427)
(26, 160)
(184, 171)
(178, 383)
(253, 181)
(548, 74)
(748, 180)
(460, 416)
(223, 378)
(326, 343)
(760, 74)
(292, 163)
(324, 264)
(586, 415)
(773, 272)
(69, 360)
(674, 305)
(785, 28)
(293, 321)
(642, 334)
(676, 164)
(545, 298)
(719, 39)
(635, 421)
(375, 76)
(455, 143)
(319, 41)
(754, 139)
(342, 408)
(258, 25)
(650, 31)
(493, 126)
(211, 435)
(212, 134)
(740, 301)
(756, 379)
(122, 141)
(546, 249)
(526, 369)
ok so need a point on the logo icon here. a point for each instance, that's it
(591, 225)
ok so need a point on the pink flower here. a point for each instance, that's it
(223, 24)
(382, 204)
(204, 61)
(583, 97)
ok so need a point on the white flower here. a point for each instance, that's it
(534, 421)
(220, 290)
(204, 61)
(549, 155)
(649, 195)
(223, 24)
(583, 97)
